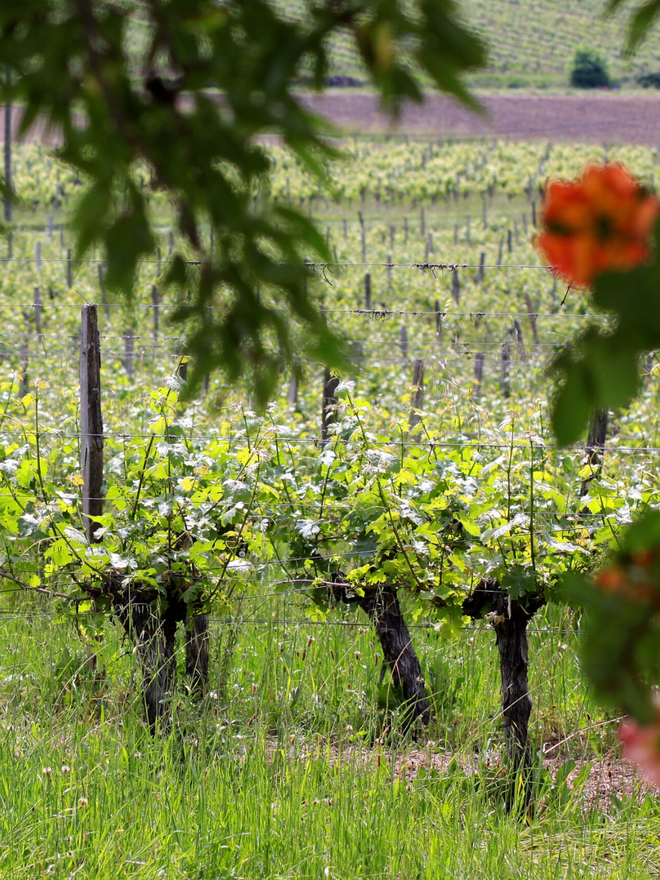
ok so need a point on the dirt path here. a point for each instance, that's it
(603, 116)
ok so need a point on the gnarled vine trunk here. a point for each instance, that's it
(155, 639)
(152, 628)
(511, 636)
(197, 651)
(382, 606)
(510, 619)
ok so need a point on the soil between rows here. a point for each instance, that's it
(600, 117)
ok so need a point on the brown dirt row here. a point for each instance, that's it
(601, 117)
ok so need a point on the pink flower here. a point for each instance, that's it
(641, 745)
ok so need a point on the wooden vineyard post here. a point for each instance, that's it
(455, 286)
(155, 302)
(534, 224)
(328, 409)
(404, 343)
(505, 378)
(25, 356)
(129, 338)
(364, 237)
(37, 310)
(482, 268)
(37, 256)
(356, 358)
(405, 230)
(532, 319)
(208, 320)
(8, 175)
(106, 307)
(595, 447)
(479, 359)
(438, 323)
(467, 229)
(517, 329)
(69, 269)
(367, 291)
(422, 223)
(91, 420)
(499, 252)
(418, 393)
(292, 396)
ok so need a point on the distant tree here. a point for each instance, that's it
(648, 80)
(589, 70)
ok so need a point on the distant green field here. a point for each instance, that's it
(533, 42)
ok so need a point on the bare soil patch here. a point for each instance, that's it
(603, 117)
(610, 777)
(600, 117)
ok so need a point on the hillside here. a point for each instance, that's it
(533, 42)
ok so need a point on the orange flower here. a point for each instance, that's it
(601, 221)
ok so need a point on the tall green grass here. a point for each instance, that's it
(293, 766)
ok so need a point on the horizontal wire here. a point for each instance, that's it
(522, 443)
(468, 630)
(384, 312)
(423, 265)
(463, 348)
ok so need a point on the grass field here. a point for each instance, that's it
(289, 769)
